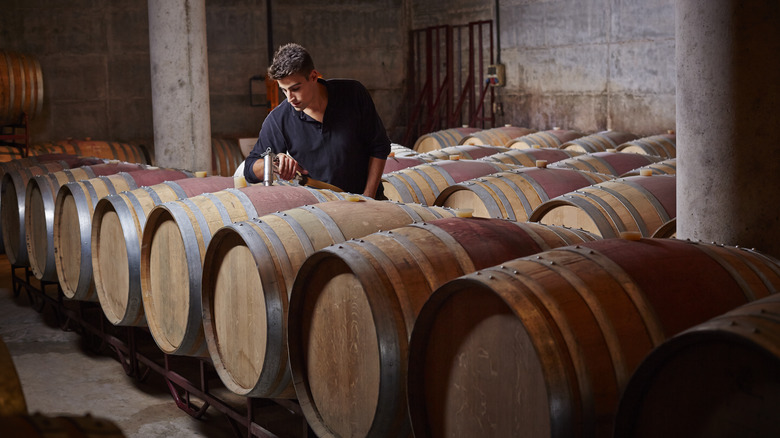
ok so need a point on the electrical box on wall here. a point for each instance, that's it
(496, 75)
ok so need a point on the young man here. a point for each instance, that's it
(329, 130)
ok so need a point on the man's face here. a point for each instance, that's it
(299, 89)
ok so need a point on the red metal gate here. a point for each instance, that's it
(446, 78)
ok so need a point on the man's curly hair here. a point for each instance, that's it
(290, 59)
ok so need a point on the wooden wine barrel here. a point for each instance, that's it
(394, 164)
(129, 152)
(599, 142)
(664, 146)
(496, 136)
(635, 204)
(398, 150)
(63, 426)
(10, 153)
(442, 139)
(544, 345)
(665, 167)
(717, 379)
(38, 212)
(72, 225)
(66, 160)
(252, 268)
(12, 400)
(515, 194)
(422, 184)
(608, 163)
(12, 203)
(668, 230)
(529, 157)
(117, 227)
(366, 294)
(553, 138)
(174, 243)
(463, 152)
(21, 87)
(18, 182)
(226, 156)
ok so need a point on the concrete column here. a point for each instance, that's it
(180, 84)
(728, 122)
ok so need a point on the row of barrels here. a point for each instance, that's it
(316, 302)
(605, 193)
(514, 137)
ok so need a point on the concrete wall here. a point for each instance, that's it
(587, 65)
(95, 59)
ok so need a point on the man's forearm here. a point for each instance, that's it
(375, 168)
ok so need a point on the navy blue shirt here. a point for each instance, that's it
(336, 151)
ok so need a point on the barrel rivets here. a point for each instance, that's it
(479, 273)
(491, 278)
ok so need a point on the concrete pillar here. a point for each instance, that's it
(180, 84)
(728, 122)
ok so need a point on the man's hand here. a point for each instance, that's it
(287, 167)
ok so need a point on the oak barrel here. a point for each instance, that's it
(174, 243)
(543, 346)
(38, 210)
(21, 87)
(395, 163)
(496, 136)
(599, 141)
(401, 150)
(463, 152)
(717, 379)
(634, 204)
(664, 146)
(226, 156)
(608, 163)
(72, 226)
(422, 184)
(552, 138)
(442, 139)
(515, 194)
(529, 157)
(353, 306)
(114, 150)
(665, 167)
(12, 203)
(117, 227)
(21, 171)
(252, 268)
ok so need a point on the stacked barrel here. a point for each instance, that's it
(510, 285)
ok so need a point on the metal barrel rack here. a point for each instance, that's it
(193, 383)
